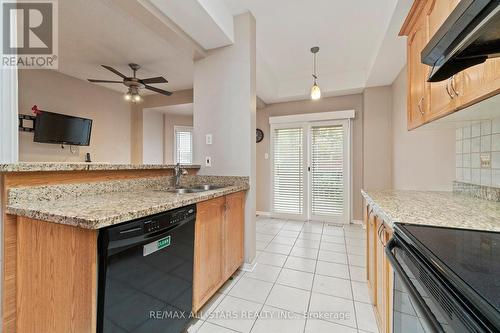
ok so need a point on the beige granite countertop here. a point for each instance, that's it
(82, 166)
(102, 210)
(442, 209)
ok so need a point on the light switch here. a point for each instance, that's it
(266, 156)
(208, 161)
(208, 139)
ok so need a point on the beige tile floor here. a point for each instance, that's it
(309, 268)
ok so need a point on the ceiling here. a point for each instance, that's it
(112, 36)
(358, 41)
(350, 35)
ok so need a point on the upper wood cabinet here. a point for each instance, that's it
(417, 74)
(430, 101)
(437, 12)
(479, 82)
(443, 97)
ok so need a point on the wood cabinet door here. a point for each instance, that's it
(207, 275)
(479, 82)
(388, 284)
(380, 303)
(233, 233)
(437, 12)
(417, 75)
(442, 95)
(371, 257)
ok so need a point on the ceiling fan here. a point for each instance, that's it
(134, 84)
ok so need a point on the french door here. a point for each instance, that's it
(310, 171)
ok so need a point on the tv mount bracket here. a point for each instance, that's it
(26, 123)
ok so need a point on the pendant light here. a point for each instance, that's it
(315, 91)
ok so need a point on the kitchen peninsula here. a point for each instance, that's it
(53, 212)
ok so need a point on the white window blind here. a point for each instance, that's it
(288, 173)
(183, 145)
(327, 171)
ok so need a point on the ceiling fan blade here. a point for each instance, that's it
(109, 68)
(103, 81)
(158, 79)
(164, 92)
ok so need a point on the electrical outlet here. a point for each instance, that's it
(208, 161)
(208, 139)
(485, 161)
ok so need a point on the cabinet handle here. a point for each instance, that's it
(452, 81)
(448, 91)
(419, 105)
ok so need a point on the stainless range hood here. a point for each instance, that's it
(469, 36)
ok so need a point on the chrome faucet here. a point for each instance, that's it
(178, 172)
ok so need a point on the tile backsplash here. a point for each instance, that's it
(478, 153)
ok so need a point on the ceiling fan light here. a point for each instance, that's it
(127, 96)
(315, 92)
(137, 98)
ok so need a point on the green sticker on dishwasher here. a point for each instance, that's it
(156, 246)
(164, 242)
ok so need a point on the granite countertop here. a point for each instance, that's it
(82, 166)
(102, 210)
(442, 209)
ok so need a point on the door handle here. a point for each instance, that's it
(448, 91)
(419, 106)
(419, 301)
(452, 83)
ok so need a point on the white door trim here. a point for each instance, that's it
(9, 120)
(309, 117)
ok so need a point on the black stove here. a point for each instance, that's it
(451, 277)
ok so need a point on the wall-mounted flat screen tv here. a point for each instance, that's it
(62, 129)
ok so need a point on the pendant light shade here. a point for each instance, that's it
(315, 90)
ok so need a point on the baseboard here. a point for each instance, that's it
(259, 213)
(249, 267)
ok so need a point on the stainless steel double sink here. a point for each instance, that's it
(195, 189)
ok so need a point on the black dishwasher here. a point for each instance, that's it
(146, 274)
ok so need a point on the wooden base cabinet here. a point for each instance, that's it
(379, 271)
(218, 249)
(233, 232)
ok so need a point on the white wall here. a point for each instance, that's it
(56, 92)
(423, 159)
(170, 122)
(377, 138)
(224, 106)
(153, 137)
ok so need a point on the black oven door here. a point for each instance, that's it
(421, 301)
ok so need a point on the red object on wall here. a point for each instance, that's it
(36, 110)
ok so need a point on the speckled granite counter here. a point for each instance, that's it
(82, 166)
(98, 205)
(443, 209)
